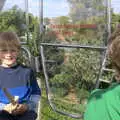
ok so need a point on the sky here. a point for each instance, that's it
(115, 4)
(52, 8)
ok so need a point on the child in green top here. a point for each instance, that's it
(104, 104)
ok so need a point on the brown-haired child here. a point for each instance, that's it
(19, 81)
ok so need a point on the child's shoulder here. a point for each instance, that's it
(24, 67)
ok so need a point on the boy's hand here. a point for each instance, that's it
(20, 109)
(16, 109)
(10, 107)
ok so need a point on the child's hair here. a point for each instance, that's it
(9, 40)
(114, 49)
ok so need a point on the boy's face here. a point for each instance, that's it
(8, 57)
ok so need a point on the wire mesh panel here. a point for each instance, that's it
(70, 76)
(72, 72)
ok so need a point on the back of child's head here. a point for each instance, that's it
(114, 49)
(9, 40)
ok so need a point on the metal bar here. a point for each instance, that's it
(23, 43)
(50, 61)
(106, 81)
(48, 91)
(37, 64)
(27, 19)
(105, 54)
(75, 46)
(41, 16)
(101, 69)
(109, 70)
(109, 18)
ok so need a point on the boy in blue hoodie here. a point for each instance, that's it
(19, 81)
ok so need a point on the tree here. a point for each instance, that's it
(83, 9)
(13, 20)
(115, 21)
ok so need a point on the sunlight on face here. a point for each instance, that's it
(8, 57)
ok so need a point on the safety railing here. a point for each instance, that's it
(44, 61)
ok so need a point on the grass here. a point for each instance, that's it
(48, 114)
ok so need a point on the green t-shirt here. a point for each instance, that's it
(104, 104)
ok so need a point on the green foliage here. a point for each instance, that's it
(83, 94)
(87, 9)
(62, 20)
(13, 20)
(83, 65)
(62, 79)
(48, 114)
(53, 54)
(60, 84)
(115, 21)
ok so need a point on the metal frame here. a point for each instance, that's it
(103, 59)
(27, 18)
(48, 90)
(105, 53)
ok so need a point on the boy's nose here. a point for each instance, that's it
(8, 52)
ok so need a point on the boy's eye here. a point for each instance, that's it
(12, 50)
(5, 50)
